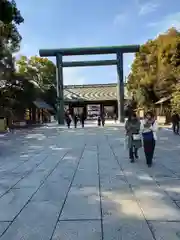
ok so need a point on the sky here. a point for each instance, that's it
(83, 23)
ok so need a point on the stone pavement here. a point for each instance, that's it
(59, 184)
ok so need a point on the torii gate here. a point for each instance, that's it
(59, 53)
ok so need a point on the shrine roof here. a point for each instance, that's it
(92, 92)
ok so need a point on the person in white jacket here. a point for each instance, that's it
(149, 129)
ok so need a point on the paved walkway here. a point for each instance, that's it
(64, 184)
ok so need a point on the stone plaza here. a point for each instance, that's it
(77, 184)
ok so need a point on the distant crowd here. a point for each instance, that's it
(69, 118)
(75, 118)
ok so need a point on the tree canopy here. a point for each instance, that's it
(10, 17)
(10, 39)
(175, 101)
(42, 72)
(156, 69)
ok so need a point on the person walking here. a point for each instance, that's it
(175, 122)
(75, 119)
(103, 119)
(68, 118)
(115, 118)
(132, 127)
(82, 119)
(10, 125)
(99, 120)
(149, 133)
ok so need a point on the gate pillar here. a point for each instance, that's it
(59, 86)
(120, 90)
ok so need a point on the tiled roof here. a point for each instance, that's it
(94, 92)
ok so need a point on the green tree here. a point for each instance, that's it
(156, 68)
(10, 17)
(41, 71)
(175, 101)
(18, 95)
(10, 39)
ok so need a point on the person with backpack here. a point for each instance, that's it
(149, 129)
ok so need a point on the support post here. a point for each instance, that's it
(121, 116)
(59, 86)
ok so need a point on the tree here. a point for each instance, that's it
(156, 69)
(10, 17)
(41, 71)
(18, 95)
(175, 101)
(10, 39)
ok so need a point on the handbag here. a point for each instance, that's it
(136, 137)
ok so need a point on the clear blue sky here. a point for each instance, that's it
(77, 23)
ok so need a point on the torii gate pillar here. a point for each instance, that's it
(120, 94)
(60, 92)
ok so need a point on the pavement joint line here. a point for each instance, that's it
(42, 183)
(80, 220)
(5, 221)
(159, 186)
(20, 164)
(174, 173)
(176, 202)
(26, 175)
(100, 194)
(14, 152)
(131, 188)
(68, 190)
(25, 160)
(160, 221)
